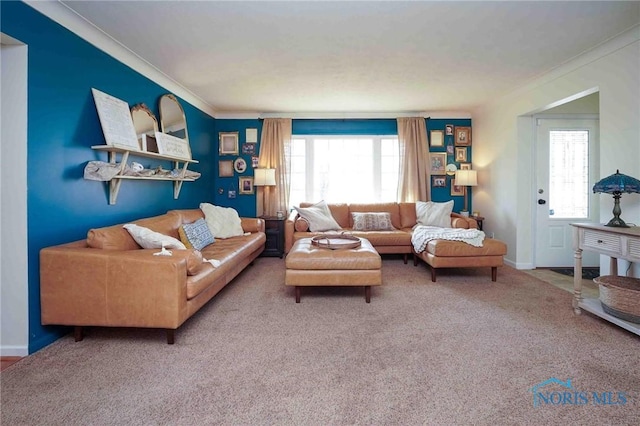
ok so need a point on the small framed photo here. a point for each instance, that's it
(448, 129)
(248, 148)
(450, 149)
(228, 143)
(463, 136)
(254, 161)
(438, 181)
(457, 190)
(251, 135)
(437, 163)
(231, 193)
(461, 155)
(240, 165)
(246, 185)
(225, 168)
(465, 166)
(437, 138)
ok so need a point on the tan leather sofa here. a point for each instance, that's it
(108, 280)
(403, 218)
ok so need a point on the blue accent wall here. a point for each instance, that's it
(63, 124)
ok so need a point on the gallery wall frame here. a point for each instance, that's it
(437, 162)
(436, 138)
(225, 168)
(438, 181)
(228, 143)
(246, 185)
(463, 136)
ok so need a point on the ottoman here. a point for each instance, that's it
(458, 254)
(308, 265)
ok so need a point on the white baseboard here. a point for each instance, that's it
(519, 265)
(14, 351)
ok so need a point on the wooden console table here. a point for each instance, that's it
(617, 243)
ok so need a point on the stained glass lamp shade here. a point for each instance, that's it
(616, 184)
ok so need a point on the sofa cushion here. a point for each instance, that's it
(146, 238)
(223, 222)
(196, 235)
(407, 215)
(372, 221)
(117, 238)
(429, 213)
(319, 217)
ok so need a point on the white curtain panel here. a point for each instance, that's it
(275, 146)
(414, 178)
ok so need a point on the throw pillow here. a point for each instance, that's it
(377, 221)
(301, 225)
(223, 222)
(146, 238)
(429, 213)
(196, 235)
(319, 217)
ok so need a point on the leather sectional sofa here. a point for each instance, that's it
(108, 280)
(398, 241)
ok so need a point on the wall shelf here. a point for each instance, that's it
(116, 181)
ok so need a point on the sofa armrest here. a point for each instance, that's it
(459, 221)
(289, 229)
(86, 286)
(252, 224)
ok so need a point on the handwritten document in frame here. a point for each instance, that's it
(116, 121)
(172, 146)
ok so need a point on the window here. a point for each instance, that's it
(569, 173)
(344, 169)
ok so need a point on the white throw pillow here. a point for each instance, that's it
(319, 217)
(223, 222)
(146, 238)
(429, 213)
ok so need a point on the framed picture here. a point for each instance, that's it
(461, 155)
(225, 168)
(248, 148)
(240, 165)
(254, 161)
(246, 185)
(228, 143)
(457, 190)
(437, 138)
(438, 181)
(465, 166)
(251, 135)
(463, 136)
(448, 129)
(450, 149)
(437, 163)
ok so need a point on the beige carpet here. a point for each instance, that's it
(463, 350)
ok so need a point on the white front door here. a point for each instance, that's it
(566, 170)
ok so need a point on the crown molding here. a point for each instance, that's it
(342, 115)
(63, 15)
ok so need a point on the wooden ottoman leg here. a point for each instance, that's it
(297, 294)
(433, 274)
(78, 334)
(494, 273)
(367, 293)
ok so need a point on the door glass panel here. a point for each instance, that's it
(568, 174)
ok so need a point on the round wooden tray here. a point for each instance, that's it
(336, 241)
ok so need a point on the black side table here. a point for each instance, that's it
(274, 228)
(478, 219)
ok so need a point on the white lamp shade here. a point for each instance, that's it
(264, 177)
(466, 178)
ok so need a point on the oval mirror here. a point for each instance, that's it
(145, 124)
(172, 118)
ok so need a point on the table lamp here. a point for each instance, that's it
(616, 184)
(264, 177)
(466, 178)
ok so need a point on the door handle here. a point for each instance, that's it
(541, 201)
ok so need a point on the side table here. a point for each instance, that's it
(274, 228)
(478, 219)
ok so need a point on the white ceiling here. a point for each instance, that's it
(372, 57)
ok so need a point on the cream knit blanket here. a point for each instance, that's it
(423, 234)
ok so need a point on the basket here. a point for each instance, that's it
(336, 241)
(620, 296)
